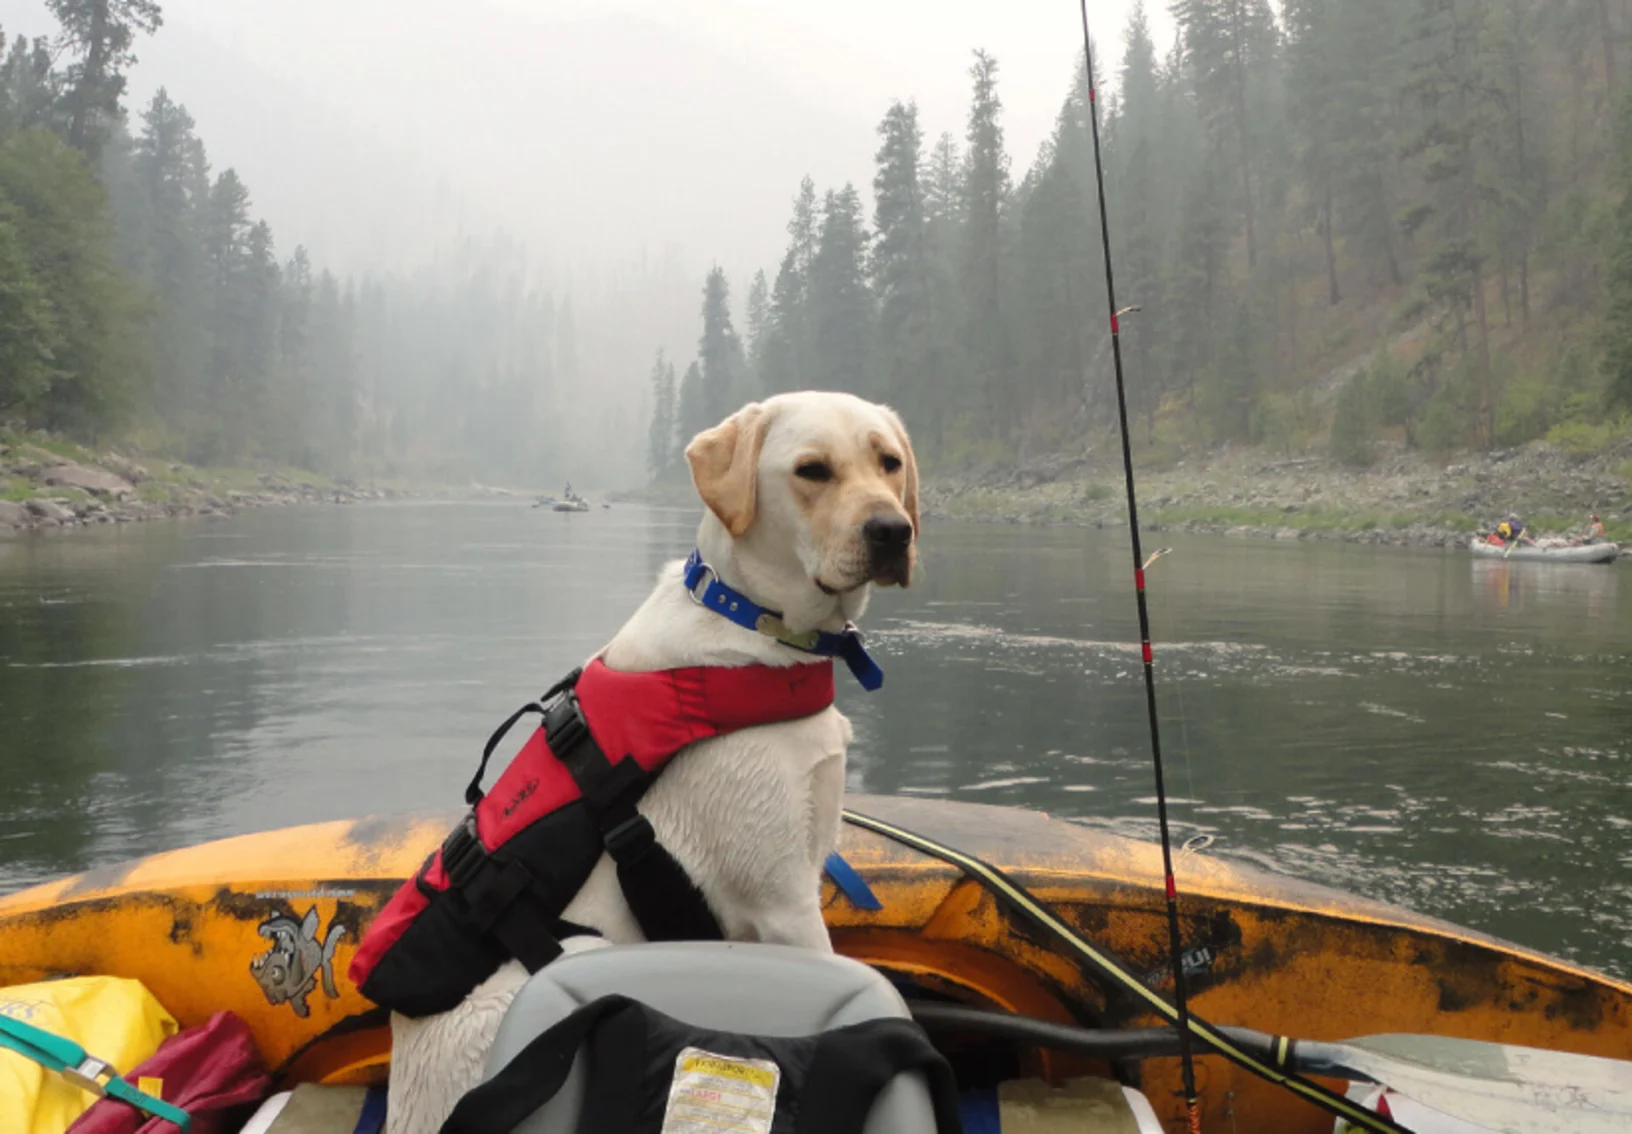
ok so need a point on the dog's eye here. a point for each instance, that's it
(889, 462)
(814, 470)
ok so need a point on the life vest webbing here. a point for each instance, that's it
(497, 886)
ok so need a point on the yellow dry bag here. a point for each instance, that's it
(112, 1018)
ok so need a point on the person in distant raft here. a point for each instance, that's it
(1510, 530)
(1595, 531)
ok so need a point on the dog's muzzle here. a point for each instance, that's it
(888, 539)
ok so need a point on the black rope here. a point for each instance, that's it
(1176, 948)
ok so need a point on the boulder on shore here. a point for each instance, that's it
(13, 515)
(123, 466)
(50, 510)
(98, 482)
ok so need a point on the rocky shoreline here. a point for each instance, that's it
(1406, 499)
(51, 488)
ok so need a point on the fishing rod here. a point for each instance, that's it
(1175, 945)
(1219, 1041)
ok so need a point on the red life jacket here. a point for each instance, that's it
(496, 887)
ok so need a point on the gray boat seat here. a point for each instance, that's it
(767, 990)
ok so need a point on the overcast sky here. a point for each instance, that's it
(600, 131)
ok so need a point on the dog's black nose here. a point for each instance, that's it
(887, 534)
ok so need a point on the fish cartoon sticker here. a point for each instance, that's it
(290, 969)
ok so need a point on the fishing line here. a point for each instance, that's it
(1175, 944)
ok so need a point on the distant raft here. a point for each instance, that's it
(1548, 553)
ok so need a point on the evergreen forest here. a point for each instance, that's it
(1338, 224)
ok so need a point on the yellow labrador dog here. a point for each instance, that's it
(811, 499)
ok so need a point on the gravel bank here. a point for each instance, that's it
(1405, 499)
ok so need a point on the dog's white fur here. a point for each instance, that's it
(751, 815)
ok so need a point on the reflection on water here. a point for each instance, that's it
(1450, 734)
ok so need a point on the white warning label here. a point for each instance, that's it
(714, 1093)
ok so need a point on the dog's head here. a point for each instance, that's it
(817, 494)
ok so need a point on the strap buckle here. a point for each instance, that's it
(463, 854)
(91, 1075)
(564, 725)
(695, 585)
(633, 832)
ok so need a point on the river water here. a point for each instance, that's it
(1453, 736)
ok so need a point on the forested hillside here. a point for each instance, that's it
(141, 299)
(1341, 220)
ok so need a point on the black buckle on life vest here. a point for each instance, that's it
(462, 853)
(501, 897)
(604, 784)
(631, 834)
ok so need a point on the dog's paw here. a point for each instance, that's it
(583, 943)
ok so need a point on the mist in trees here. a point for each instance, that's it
(1340, 223)
(142, 298)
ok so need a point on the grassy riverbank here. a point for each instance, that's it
(1406, 498)
(49, 483)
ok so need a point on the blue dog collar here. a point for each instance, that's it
(745, 612)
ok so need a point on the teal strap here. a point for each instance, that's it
(51, 1051)
(122, 1090)
(68, 1059)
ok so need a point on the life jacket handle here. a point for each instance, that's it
(474, 793)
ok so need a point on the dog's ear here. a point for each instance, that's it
(909, 470)
(909, 489)
(725, 465)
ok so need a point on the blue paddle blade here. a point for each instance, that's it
(851, 883)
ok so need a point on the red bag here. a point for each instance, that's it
(213, 1072)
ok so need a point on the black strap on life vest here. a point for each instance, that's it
(829, 1081)
(503, 895)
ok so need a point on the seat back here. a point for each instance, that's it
(767, 990)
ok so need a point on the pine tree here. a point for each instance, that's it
(985, 195)
(27, 86)
(1515, 180)
(1311, 50)
(1230, 48)
(660, 438)
(900, 262)
(293, 366)
(719, 352)
(1061, 274)
(943, 184)
(257, 346)
(1194, 284)
(28, 332)
(780, 357)
(1447, 78)
(219, 425)
(786, 362)
(840, 303)
(759, 325)
(65, 236)
(1344, 65)
(943, 239)
(691, 412)
(165, 163)
(804, 229)
(100, 33)
(1139, 136)
(331, 411)
(1616, 336)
